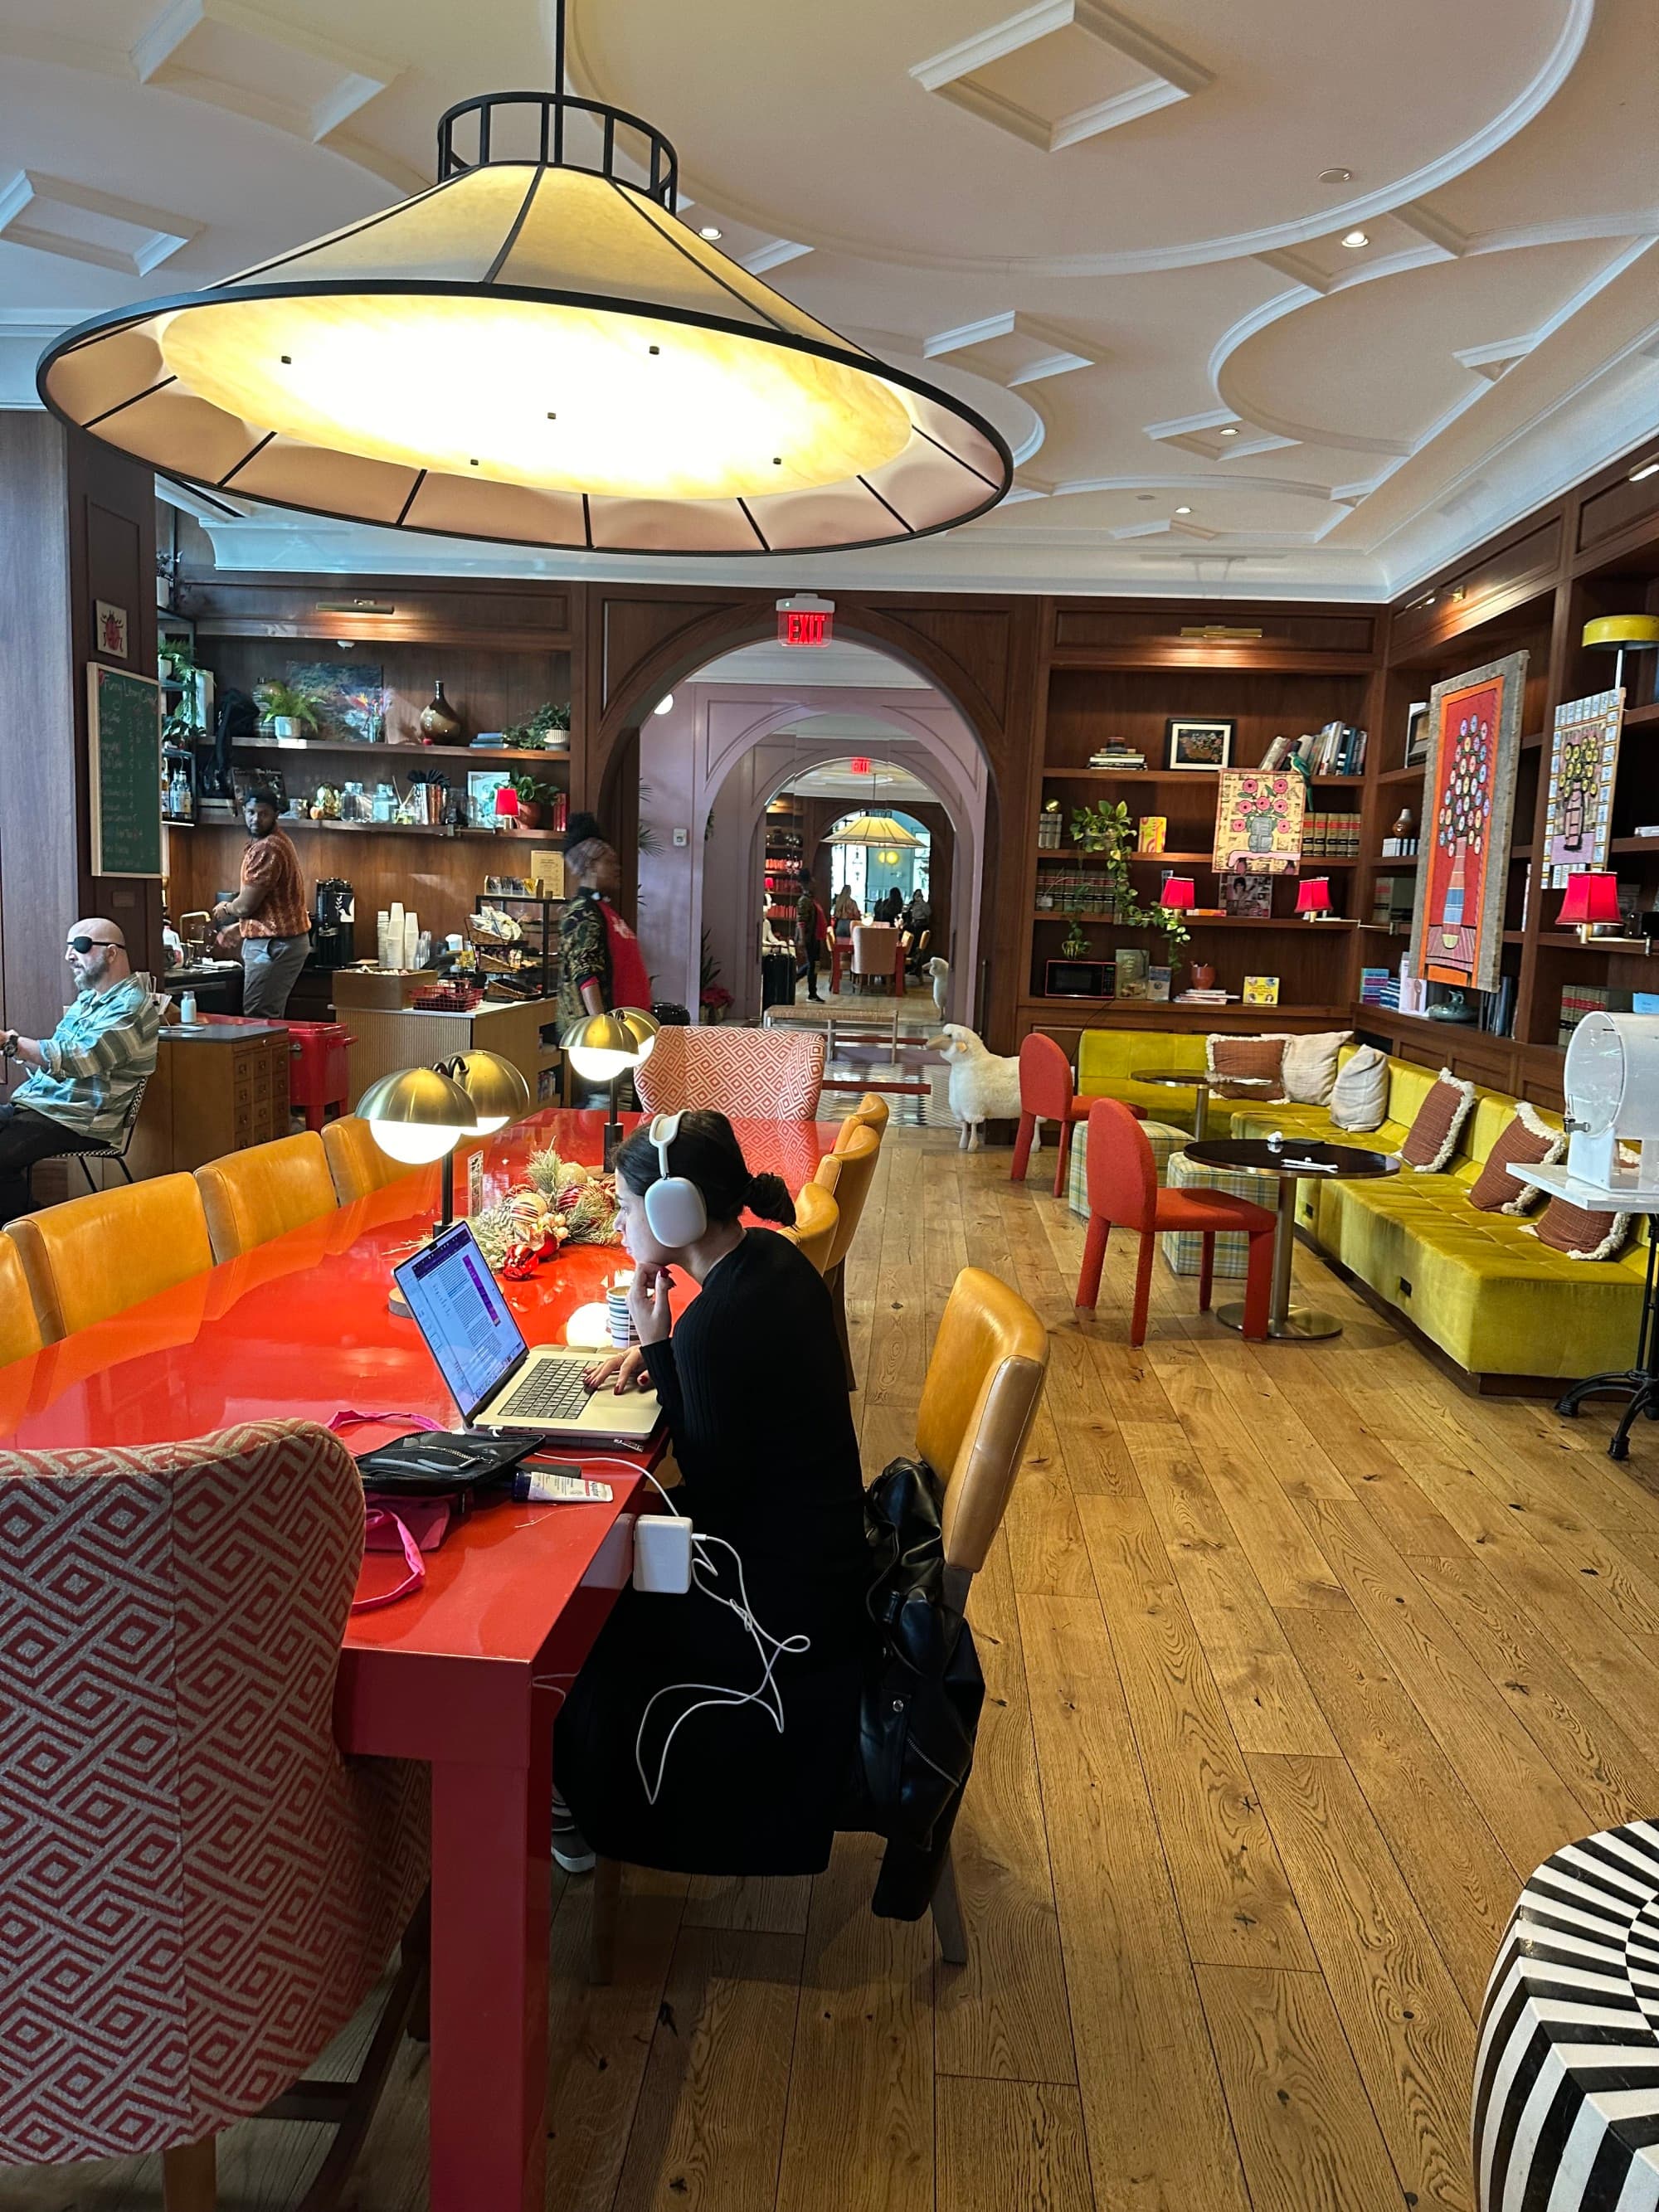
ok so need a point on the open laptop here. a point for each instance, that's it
(494, 1377)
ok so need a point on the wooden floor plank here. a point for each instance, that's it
(1012, 2147)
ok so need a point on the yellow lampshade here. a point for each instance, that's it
(1622, 633)
(875, 830)
(531, 351)
(417, 1115)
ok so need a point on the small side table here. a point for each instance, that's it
(1641, 1382)
(1292, 1161)
(1198, 1080)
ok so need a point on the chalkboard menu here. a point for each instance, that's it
(124, 724)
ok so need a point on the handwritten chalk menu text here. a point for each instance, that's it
(124, 717)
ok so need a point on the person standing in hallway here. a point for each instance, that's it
(810, 932)
(601, 966)
(270, 909)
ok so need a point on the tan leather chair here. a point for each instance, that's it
(355, 1160)
(816, 1219)
(251, 1197)
(20, 1328)
(846, 1174)
(92, 1257)
(870, 1113)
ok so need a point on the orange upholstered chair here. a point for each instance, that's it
(92, 1256)
(846, 1174)
(198, 1898)
(764, 1075)
(1045, 1095)
(20, 1330)
(1124, 1193)
(355, 1160)
(816, 1219)
(871, 1113)
(252, 1196)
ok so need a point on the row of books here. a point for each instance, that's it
(1393, 898)
(1578, 999)
(1337, 749)
(1330, 836)
(1074, 891)
(1380, 986)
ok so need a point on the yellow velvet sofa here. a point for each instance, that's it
(1491, 1297)
(1107, 1059)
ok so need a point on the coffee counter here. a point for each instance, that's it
(390, 1034)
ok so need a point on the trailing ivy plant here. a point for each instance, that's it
(1106, 830)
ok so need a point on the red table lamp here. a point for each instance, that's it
(1592, 897)
(1178, 892)
(507, 803)
(1313, 898)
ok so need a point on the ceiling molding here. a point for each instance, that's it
(230, 55)
(56, 216)
(1417, 216)
(1013, 348)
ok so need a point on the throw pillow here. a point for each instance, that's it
(1432, 1138)
(1311, 1066)
(1579, 1233)
(1529, 1143)
(1359, 1096)
(1236, 1056)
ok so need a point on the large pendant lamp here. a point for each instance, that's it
(535, 350)
(873, 829)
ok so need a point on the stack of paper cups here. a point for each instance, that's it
(411, 939)
(622, 1331)
(394, 932)
(383, 938)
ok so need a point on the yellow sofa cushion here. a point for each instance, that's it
(1106, 1060)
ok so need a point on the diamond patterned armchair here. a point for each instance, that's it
(196, 1888)
(765, 1075)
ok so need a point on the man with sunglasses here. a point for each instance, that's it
(81, 1079)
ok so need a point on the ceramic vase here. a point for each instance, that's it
(440, 724)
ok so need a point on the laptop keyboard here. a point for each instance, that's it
(554, 1390)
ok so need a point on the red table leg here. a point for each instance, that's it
(492, 1868)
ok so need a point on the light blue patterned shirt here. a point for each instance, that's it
(95, 1059)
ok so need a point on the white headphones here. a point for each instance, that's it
(674, 1210)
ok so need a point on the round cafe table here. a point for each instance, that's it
(1294, 1159)
(1199, 1081)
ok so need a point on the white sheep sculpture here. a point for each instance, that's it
(939, 971)
(983, 1086)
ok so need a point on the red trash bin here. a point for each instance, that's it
(319, 1069)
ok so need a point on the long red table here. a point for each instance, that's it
(466, 1673)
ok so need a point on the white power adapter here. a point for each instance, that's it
(662, 1552)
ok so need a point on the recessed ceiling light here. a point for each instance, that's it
(710, 231)
(1336, 176)
(1143, 495)
(1647, 469)
(1229, 432)
(1357, 237)
(1183, 510)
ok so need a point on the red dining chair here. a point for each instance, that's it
(1124, 1193)
(1045, 1095)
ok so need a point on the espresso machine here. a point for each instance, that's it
(333, 932)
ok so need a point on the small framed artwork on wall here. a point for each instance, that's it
(1200, 746)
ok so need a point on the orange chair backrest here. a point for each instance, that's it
(355, 1160)
(816, 1219)
(92, 1257)
(978, 1402)
(847, 1175)
(250, 1197)
(19, 1329)
(870, 1113)
(1122, 1173)
(1045, 1078)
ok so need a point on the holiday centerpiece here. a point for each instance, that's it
(560, 1202)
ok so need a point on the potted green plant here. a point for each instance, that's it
(535, 798)
(542, 732)
(289, 709)
(1107, 831)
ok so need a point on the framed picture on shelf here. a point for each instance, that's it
(1248, 898)
(1417, 734)
(1474, 754)
(1258, 822)
(481, 785)
(1200, 746)
(1260, 991)
(1583, 762)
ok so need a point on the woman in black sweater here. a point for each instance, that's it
(754, 1388)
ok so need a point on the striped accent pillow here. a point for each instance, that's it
(1432, 1138)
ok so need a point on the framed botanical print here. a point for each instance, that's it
(1198, 746)
(1583, 762)
(1474, 751)
(1258, 822)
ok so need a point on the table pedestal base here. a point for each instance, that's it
(1302, 1323)
(1644, 1389)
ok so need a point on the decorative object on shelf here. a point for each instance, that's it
(1248, 898)
(1583, 763)
(1313, 898)
(1106, 829)
(1258, 822)
(1401, 844)
(628, 388)
(1621, 633)
(484, 786)
(1202, 976)
(1454, 1008)
(1417, 734)
(1591, 902)
(548, 730)
(1474, 740)
(537, 799)
(1178, 893)
(438, 722)
(1050, 827)
(1261, 990)
(1130, 965)
(288, 709)
(1152, 833)
(1198, 746)
(1075, 943)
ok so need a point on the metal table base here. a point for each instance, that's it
(1305, 1323)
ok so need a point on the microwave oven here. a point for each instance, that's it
(1080, 979)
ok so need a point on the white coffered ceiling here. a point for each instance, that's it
(1118, 230)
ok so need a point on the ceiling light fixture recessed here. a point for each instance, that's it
(1336, 176)
(1144, 495)
(1183, 510)
(1229, 432)
(1356, 239)
(680, 373)
(1647, 469)
(711, 232)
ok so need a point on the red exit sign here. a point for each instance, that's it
(805, 620)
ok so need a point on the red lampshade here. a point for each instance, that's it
(1177, 891)
(507, 800)
(1314, 896)
(1592, 895)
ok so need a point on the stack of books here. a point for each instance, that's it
(1578, 999)
(1116, 752)
(1196, 997)
(1392, 899)
(1337, 749)
(1379, 986)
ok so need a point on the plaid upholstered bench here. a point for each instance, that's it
(1183, 1250)
(1164, 1140)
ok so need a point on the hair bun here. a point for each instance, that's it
(768, 1196)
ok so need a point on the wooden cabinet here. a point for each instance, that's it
(216, 1089)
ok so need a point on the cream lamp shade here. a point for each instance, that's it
(535, 350)
(602, 1048)
(875, 830)
(417, 1115)
(497, 1088)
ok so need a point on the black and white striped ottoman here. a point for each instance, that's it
(1567, 2081)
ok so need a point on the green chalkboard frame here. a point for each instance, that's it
(124, 742)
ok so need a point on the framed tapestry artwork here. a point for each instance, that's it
(1584, 760)
(1197, 745)
(1258, 822)
(1468, 802)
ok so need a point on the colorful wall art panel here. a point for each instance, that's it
(1258, 822)
(1583, 761)
(1475, 744)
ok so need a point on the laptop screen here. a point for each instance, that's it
(459, 1309)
